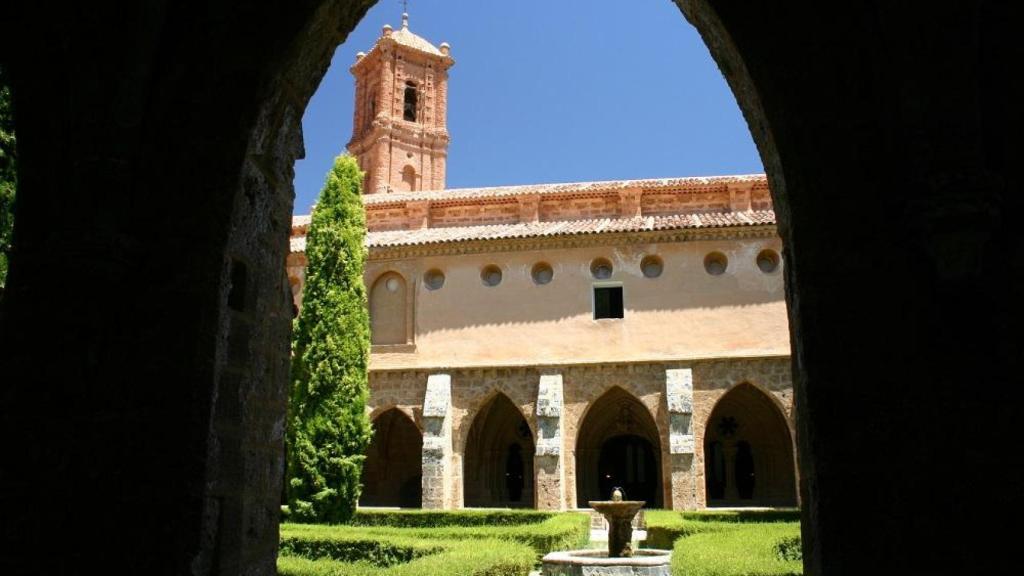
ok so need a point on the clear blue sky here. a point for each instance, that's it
(553, 91)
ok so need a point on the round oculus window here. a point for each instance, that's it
(542, 273)
(716, 263)
(601, 269)
(434, 279)
(491, 275)
(652, 266)
(392, 284)
(768, 261)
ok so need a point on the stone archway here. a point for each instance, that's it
(498, 461)
(618, 446)
(184, 124)
(393, 472)
(748, 452)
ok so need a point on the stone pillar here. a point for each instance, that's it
(437, 443)
(629, 203)
(417, 214)
(547, 463)
(529, 208)
(739, 197)
(679, 395)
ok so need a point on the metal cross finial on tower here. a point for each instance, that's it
(405, 13)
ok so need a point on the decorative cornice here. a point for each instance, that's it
(690, 185)
(554, 367)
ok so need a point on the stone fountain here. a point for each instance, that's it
(620, 559)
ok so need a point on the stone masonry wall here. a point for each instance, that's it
(569, 393)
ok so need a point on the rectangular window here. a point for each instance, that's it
(607, 302)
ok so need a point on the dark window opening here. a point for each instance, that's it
(745, 471)
(514, 480)
(409, 111)
(607, 302)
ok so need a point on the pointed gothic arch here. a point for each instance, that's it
(748, 451)
(392, 472)
(618, 445)
(498, 461)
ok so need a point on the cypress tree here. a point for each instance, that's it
(328, 429)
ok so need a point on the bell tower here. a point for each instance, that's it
(400, 132)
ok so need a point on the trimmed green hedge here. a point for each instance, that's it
(541, 531)
(449, 557)
(748, 549)
(664, 527)
(729, 543)
(406, 543)
(313, 550)
(436, 518)
(346, 546)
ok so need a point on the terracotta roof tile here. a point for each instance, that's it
(559, 228)
(564, 228)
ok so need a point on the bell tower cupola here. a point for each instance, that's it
(400, 128)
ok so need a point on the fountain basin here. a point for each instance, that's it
(644, 562)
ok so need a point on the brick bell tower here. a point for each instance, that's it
(400, 134)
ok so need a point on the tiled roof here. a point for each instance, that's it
(556, 189)
(558, 228)
(570, 227)
(406, 38)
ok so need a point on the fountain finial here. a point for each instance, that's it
(616, 494)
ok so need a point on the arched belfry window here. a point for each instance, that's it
(409, 110)
(409, 178)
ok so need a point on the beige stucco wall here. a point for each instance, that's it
(683, 314)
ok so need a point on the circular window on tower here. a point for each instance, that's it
(601, 268)
(652, 266)
(491, 275)
(392, 284)
(542, 273)
(768, 261)
(716, 263)
(434, 279)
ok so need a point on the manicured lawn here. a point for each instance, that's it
(728, 543)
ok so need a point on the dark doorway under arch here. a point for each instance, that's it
(748, 454)
(618, 446)
(392, 472)
(498, 466)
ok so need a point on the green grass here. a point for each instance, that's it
(400, 543)
(728, 543)
(451, 558)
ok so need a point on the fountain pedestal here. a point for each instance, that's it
(620, 559)
(619, 514)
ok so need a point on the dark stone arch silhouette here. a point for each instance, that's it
(748, 452)
(497, 468)
(890, 136)
(393, 470)
(618, 445)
